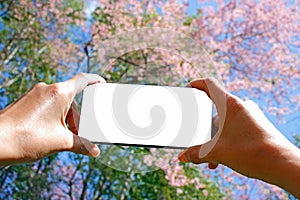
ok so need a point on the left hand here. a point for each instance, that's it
(35, 125)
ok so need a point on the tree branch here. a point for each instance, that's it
(72, 178)
(8, 82)
(86, 51)
(85, 182)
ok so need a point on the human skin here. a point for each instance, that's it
(35, 125)
(246, 141)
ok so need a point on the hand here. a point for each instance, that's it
(246, 141)
(35, 125)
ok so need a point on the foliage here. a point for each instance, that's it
(82, 178)
(51, 40)
(297, 140)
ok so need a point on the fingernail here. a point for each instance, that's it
(95, 151)
(102, 80)
(182, 157)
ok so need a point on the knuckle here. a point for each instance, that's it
(54, 90)
(39, 85)
(211, 80)
(235, 106)
(39, 89)
(82, 75)
(233, 101)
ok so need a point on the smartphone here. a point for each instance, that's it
(145, 115)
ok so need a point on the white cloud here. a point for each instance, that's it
(90, 6)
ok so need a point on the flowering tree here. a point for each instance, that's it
(30, 36)
(258, 45)
(254, 46)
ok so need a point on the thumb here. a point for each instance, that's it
(83, 146)
(195, 154)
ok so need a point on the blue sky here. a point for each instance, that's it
(291, 125)
(288, 129)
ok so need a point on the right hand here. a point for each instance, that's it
(245, 140)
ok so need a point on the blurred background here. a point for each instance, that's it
(253, 46)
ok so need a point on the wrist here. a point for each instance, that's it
(280, 165)
(288, 169)
(8, 152)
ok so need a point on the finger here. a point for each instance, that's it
(72, 118)
(215, 126)
(213, 89)
(65, 140)
(216, 92)
(212, 165)
(84, 147)
(80, 81)
(208, 85)
(192, 154)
